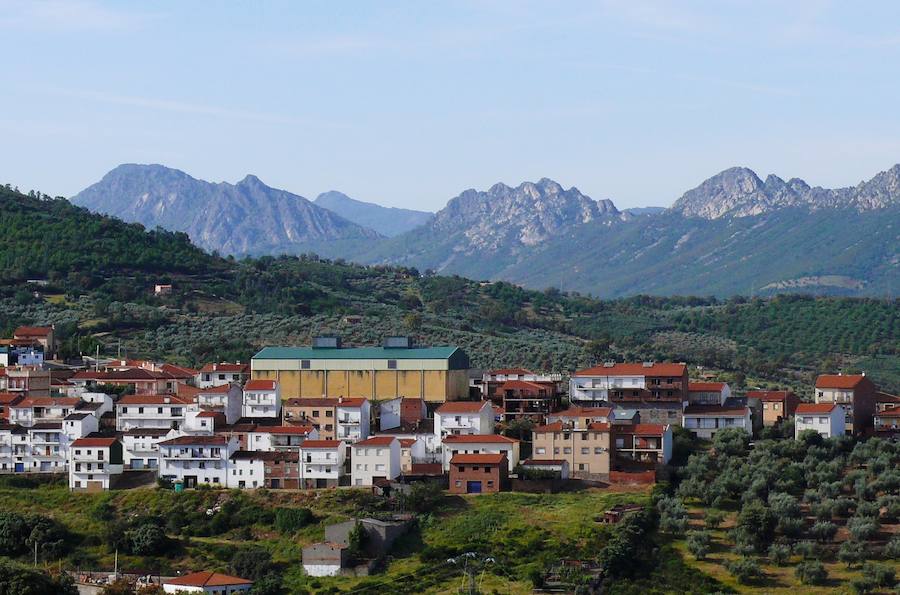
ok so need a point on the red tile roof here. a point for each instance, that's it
(886, 398)
(461, 407)
(705, 387)
(839, 380)
(479, 439)
(224, 367)
(302, 402)
(260, 385)
(152, 400)
(558, 427)
(6, 398)
(376, 441)
(47, 402)
(351, 401)
(488, 458)
(642, 429)
(322, 444)
(407, 442)
(522, 385)
(207, 414)
(178, 371)
(891, 412)
(768, 395)
(554, 427)
(207, 579)
(715, 410)
(672, 370)
(200, 440)
(815, 408)
(548, 462)
(32, 331)
(577, 411)
(98, 442)
(222, 389)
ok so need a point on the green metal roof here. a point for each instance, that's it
(356, 353)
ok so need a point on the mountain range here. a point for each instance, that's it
(733, 234)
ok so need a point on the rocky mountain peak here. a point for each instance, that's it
(739, 192)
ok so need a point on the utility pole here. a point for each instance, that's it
(35, 553)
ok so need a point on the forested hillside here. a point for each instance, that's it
(100, 274)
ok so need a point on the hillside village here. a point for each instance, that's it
(384, 418)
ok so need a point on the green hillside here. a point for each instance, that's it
(101, 273)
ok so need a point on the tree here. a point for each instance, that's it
(148, 540)
(252, 563)
(757, 523)
(780, 553)
(291, 520)
(356, 541)
(745, 570)
(714, 518)
(823, 530)
(862, 528)
(16, 579)
(673, 517)
(851, 552)
(422, 496)
(880, 575)
(892, 549)
(811, 572)
(698, 544)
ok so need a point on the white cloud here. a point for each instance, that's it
(67, 15)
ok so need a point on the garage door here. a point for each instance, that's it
(473, 487)
(94, 486)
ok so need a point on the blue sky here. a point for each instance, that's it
(407, 104)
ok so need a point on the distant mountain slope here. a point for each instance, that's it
(480, 232)
(388, 221)
(245, 218)
(739, 192)
(833, 251)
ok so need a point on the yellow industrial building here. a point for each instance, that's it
(326, 369)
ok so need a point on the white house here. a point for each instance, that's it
(49, 448)
(222, 373)
(96, 403)
(321, 463)
(247, 470)
(412, 450)
(30, 411)
(14, 447)
(196, 460)
(141, 447)
(226, 399)
(353, 419)
(94, 463)
(463, 417)
(151, 411)
(705, 420)
(201, 421)
(271, 438)
(708, 393)
(78, 425)
(828, 419)
(373, 458)
(210, 583)
(580, 417)
(480, 444)
(401, 411)
(262, 398)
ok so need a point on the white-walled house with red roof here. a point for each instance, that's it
(375, 458)
(480, 444)
(224, 398)
(262, 398)
(352, 419)
(828, 419)
(152, 411)
(196, 459)
(94, 463)
(708, 393)
(32, 410)
(463, 417)
(321, 463)
(208, 583)
(705, 420)
(272, 438)
(222, 373)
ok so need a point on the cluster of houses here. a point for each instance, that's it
(327, 415)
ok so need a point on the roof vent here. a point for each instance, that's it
(648, 364)
(397, 342)
(326, 342)
(609, 364)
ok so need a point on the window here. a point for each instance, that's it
(581, 466)
(304, 364)
(584, 436)
(567, 451)
(140, 409)
(598, 451)
(556, 450)
(776, 406)
(458, 483)
(392, 364)
(315, 413)
(585, 451)
(487, 469)
(490, 483)
(329, 413)
(124, 409)
(823, 420)
(221, 376)
(541, 450)
(620, 443)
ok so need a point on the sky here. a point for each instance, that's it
(410, 103)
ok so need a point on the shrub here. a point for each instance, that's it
(861, 585)
(423, 496)
(780, 553)
(251, 563)
(756, 525)
(867, 509)
(851, 552)
(880, 575)
(823, 530)
(291, 520)
(745, 570)
(698, 544)
(714, 518)
(16, 579)
(148, 540)
(808, 550)
(673, 516)
(792, 527)
(892, 549)
(862, 528)
(811, 572)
